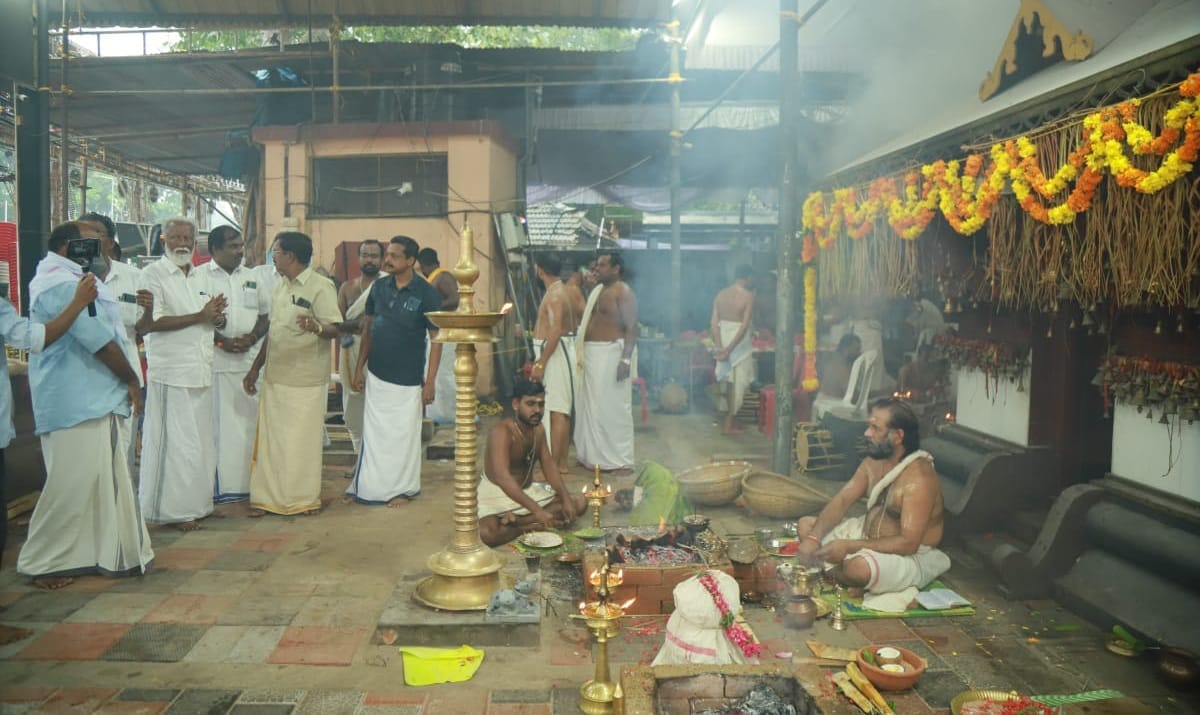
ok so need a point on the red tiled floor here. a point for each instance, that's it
(90, 584)
(82, 700)
(75, 641)
(189, 609)
(519, 709)
(460, 701)
(24, 694)
(884, 630)
(132, 708)
(183, 559)
(394, 699)
(253, 541)
(317, 646)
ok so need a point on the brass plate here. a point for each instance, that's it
(999, 696)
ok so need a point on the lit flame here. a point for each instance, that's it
(582, 606)
(628, 603)
(594, 575)
(610, 489)
(620, 575)
(949, 416)
(585, 489)
(662, 524)
(506, 308)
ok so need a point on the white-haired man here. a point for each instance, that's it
(178, 448)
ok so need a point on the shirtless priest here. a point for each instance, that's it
(510, 502)
(892, 550)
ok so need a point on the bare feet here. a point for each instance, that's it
(399, 502)
(564, 470)
(730, 428)
(311, 512)
(9, 634)
(52, 583)
(189, 525)
(256, 513)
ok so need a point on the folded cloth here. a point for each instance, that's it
(894, 602)
(430, 666)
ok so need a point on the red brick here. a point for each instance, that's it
(189, 609)
(644, 608)
(519, 709)
(75, 641)
(254, 541)
(317, 646)
(642, 576)
(675, 576)
(459, 700)
(24, 694)
(84, 700)
(183, 559)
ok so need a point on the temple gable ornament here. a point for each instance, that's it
(1019, 57)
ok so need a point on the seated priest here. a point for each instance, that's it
(923, 379)
(510, 501)
(892, 550)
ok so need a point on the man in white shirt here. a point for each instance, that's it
(123, 281)
(178, 448)
(235, 413)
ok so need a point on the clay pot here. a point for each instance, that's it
(798, 612)
(913, 664)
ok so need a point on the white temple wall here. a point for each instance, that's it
(1163, 457)
(999, 409)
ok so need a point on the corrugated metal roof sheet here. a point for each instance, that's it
(550, 225)
(281, 13)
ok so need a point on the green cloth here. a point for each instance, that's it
(852, 609)
(661, 497)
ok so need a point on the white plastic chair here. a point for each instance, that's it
(854, 404)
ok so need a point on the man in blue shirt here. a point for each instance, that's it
(24, 334)
(84, 391)
(392, 371)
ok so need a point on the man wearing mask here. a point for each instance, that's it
(84, 391)
(236, 344)
(122, 281)
(352, 300)
(178, 448)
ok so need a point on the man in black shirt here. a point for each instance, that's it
(392, 373)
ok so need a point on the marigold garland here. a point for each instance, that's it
(810, 382)
(966, 191)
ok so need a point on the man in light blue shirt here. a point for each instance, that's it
(84, 391)
(21, 333)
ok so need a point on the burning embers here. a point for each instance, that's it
(665, 546)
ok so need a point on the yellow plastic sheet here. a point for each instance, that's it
(430, 666)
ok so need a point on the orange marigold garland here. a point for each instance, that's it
(810, 382)
(966, 192)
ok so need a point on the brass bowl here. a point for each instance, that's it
(996, 696)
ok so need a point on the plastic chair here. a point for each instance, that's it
(853, 404)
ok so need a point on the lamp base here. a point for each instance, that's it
(596, 698)
(457, 593)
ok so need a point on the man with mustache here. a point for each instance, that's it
(510, 502)
(178, 447)
(352, 301)
(393, 373)
(892, 550)
(236, 345)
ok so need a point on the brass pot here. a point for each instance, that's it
(798, 612)
(1179, 668)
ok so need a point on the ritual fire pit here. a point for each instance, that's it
(688, 689)
(653, 561)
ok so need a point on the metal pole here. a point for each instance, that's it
(33, 158)
(64, 147)
(789, 52)
(335, 45)
(676, 180)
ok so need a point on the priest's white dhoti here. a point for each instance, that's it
(493, 500)
(603, 416)
(558, 378)
(178, 454)
(738, 371)
(235, 417)
(87, 518)
(389, 465)
(285, 468)
(441, 410)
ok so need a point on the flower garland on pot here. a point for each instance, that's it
(995, 360)
(1172, 387)
(809, 381)
(734, 631)
(966, 192)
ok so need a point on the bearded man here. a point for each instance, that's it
(510, 502)
(892, 550)
(352, 302)
(178, 447)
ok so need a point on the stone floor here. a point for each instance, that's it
(277, 615)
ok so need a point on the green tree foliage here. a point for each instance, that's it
(593, 39)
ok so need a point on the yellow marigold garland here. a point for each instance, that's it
(966, 192)
(810, 382)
